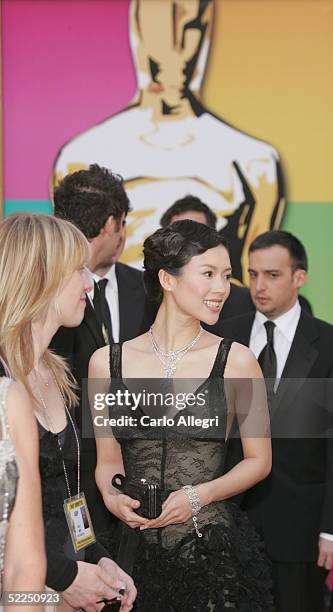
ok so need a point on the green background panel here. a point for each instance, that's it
(34, 206)
(312, 223)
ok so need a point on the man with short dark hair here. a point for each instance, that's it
(296, 250)
(96, 202)
(293, 507)
(189, 207)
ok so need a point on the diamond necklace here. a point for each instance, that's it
(169, 359)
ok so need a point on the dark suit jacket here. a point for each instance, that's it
(77, 345)
(295, 503)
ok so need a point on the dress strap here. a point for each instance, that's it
(221, 358)
(115, 360)
(4, 429)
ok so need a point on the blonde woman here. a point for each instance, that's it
(43, 285)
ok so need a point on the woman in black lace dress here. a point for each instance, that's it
(201, 553)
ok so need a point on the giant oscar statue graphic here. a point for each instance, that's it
(166, 144)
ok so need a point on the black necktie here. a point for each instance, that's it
(102, 307)
(267, 357)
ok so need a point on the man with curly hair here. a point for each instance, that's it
(96, 202)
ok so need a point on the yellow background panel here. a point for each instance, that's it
(270, 74)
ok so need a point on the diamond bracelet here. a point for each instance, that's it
(194, 500)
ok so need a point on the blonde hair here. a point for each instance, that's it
(38, 255)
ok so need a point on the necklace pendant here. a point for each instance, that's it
(170, 359)
(169, 370)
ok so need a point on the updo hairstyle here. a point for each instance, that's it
(171, 248)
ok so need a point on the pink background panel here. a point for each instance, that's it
(48, 97)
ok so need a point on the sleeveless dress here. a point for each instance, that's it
(60, 555)
(8, 473)
(175, 570)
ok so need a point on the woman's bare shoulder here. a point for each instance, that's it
(237, 351)
(21, 419)
(242, 362)
(99, 362)
(137, 345)
(18, 401)
(99, 365)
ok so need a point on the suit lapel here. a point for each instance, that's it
(128, 290)
(90, 320)
(301, 358)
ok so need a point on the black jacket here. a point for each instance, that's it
(295, 503)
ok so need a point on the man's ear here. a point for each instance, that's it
(109, 225)
(300, 277)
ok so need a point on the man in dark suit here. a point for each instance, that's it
(96, 202)
(293, 507)
(191, 207)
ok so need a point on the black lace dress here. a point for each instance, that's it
(174, 569)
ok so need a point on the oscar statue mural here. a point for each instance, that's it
(167, 144)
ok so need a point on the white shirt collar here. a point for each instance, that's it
(286, 323)
(110, 275)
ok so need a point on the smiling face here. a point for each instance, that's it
(203, 285)
(70, 303)
(274, 282)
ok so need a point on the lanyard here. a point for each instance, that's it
(51, 428)
(78, 456)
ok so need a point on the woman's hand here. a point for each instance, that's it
(116, 578)
(96, 582)
(176, 509)
(124, 508)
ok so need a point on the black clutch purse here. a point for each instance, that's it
(149, 495)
